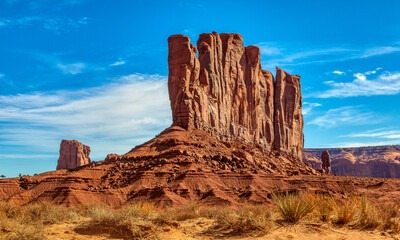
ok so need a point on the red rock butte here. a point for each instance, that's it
(237, 136)
(73, 154)
(224, 92)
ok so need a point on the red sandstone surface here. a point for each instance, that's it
(237, 136)
(377, 161)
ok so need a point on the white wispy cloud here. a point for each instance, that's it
(288, 57)
(338, 72)
(376, 51)
(307, 107)
(110, 118)
(268, 48)
(73, 68)
(384, 84)
(348, 115)
(306, 57)
(377, 133)
(57, 25)
(117, 63)
(366, 144)
(373, 71)
(41, 4)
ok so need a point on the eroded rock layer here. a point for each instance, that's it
(224, 92)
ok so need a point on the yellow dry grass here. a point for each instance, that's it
(145, 221)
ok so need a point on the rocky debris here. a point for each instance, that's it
(376, 161)
(326, 162)
(73, 154)
(224, 92)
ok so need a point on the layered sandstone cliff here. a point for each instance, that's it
(378, 161)
(224, 92)
(73, 154)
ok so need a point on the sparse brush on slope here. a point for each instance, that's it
(368, 215)
(246, 220)
(324, 207)
(344, 210)
(294, 207)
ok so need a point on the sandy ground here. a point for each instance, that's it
(203, 229)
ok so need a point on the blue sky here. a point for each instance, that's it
(96, 70)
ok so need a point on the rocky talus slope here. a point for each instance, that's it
(377, 161)
(237, 136)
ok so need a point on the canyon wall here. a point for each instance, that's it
(377, 161)
(224, 92)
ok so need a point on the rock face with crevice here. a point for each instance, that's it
(224, 92)
(73, 154)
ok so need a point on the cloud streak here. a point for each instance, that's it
(348, 115)
(118, 63)
(377, 133)
(286, 57)
(58, 25)
(308, 107)
(110, 118)
(73, 68)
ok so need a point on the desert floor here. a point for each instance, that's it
(202, 228)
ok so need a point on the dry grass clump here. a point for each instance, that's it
(324, 207)
(368, 215)
(28, 222)
(344, 211)
(186, 212)
(383, 217)
(131, 222)
(246, 220)
(294, 207)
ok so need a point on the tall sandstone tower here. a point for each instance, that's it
(225, 92)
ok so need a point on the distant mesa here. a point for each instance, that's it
(73, 154)
(374, 161)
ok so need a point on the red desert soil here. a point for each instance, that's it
(201, 229)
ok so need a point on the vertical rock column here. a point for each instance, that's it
(288, 119)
